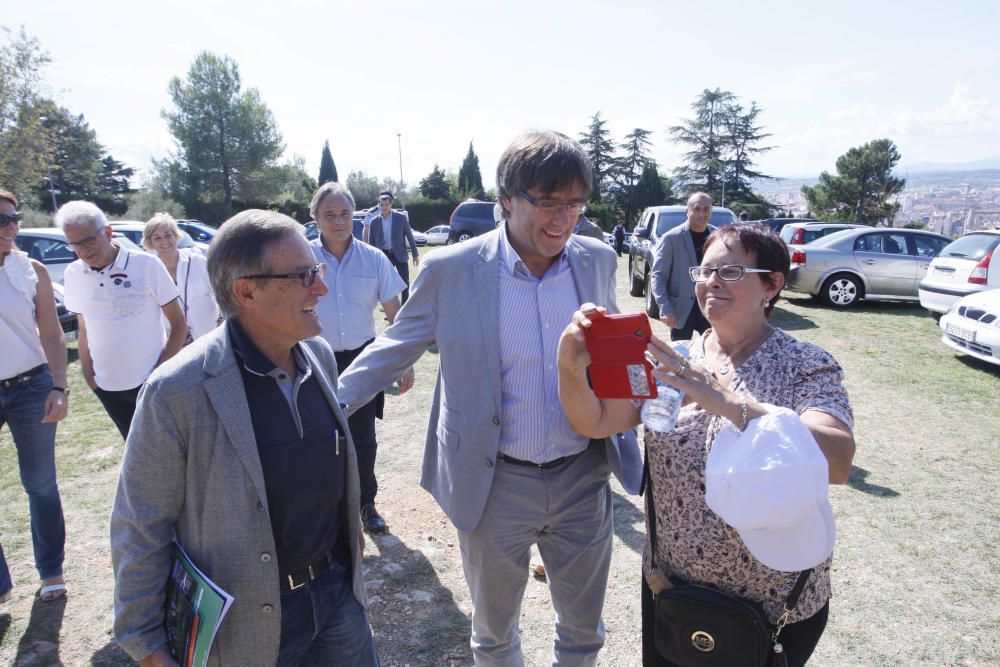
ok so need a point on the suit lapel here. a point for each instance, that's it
(486, 276)
(224, 388)
(584, 274)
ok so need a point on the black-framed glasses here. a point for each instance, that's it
(10, 219)
(85, 243)
(308, 277)
(551, 207)
(729, 272)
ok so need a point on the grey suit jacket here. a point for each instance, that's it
(454, 304)
(587, 228)
(191, 465)
(401, 235)
(672, 286)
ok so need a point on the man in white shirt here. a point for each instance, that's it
(118, 296)
(359, 278)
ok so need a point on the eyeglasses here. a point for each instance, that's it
(12, 219)
(85, 244)
(729, 272)
(308, 277)
(550, 207)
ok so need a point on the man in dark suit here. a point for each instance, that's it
(390, 232)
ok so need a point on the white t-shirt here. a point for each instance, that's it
(122, 306)
(197, 299)
(22, 348)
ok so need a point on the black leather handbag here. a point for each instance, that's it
(699, 626)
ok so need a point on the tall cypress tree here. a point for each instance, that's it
(327, 169)
(470, 180)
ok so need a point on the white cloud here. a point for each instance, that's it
(965, 114)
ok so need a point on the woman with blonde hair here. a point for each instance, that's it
(189, 271)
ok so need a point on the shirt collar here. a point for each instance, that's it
(118, 264)
(254, 360)
(513, 262)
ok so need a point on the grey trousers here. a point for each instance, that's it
(567, 512)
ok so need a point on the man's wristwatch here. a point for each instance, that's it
(62, 390)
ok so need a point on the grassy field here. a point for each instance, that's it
(916, 571)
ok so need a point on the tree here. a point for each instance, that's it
(597, 143)
(143, 204)
(470, 180)
(705, 133)
(629, 168)
(327, 169)
(651, 189)
(862, 188)
(22, 141)
(744, 136)
(435, 185)
(365, 188)
(224, 135)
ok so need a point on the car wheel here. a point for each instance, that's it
(464, 236)
(841, 291)
(936, 315)
(635, 289)
(450, 241)
(652, 309)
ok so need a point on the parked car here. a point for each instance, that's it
(67, 318)
(777, 224)
(654, 222)
(609, 239)
(471, 218)
(438, 235)
(972, 326)
(132, 229)
(311, 231)
(198, 230)
(877, 264)
(966, 265)
(800, 233)
(419, 238)
(49, 246)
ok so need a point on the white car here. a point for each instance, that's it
(132, 229)
(972, 326)
(48, 245)
(966, 265)
(438, 235)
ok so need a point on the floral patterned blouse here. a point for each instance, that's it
(693, 544)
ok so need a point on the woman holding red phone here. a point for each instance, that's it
(741, 374)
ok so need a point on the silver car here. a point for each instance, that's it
(877, 264)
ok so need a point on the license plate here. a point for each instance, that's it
(958, 332)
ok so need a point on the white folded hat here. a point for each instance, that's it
(771, 483)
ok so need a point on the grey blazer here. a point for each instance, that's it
(401, 235)
(191, 465)
(672, 287)
(454, 304)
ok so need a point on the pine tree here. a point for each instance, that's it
(470, 180)
(862, 188)
(597, 143)
(327, 169)
(435, 185)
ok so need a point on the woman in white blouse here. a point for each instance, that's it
(33, 397)
(189, 271)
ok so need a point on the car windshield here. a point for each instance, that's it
(973, 246)
(668, 220)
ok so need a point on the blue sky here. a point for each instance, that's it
(829, 76)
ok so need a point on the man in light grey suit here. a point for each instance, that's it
(500, 457)
(675, 253)
(390, 232)
(240, 449)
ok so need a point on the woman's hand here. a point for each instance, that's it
(573, 356)
(698, 385)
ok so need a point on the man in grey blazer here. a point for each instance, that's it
(675, 253)
(500, 457)
(240, 450)
(390, 232)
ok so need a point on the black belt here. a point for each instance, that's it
(23, 377)
(554, 463)
(290, 582)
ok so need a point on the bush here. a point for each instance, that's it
(426, 213)
(144, 204)
(35, 218)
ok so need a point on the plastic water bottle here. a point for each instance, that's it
(660, 413)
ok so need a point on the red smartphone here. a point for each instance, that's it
(617, 347)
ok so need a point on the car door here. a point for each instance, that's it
(885, 259)
(924, 249)
(53, 253)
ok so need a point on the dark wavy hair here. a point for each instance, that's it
(545, 160)
(766, 247)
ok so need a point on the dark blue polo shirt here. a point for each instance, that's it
(302, 454)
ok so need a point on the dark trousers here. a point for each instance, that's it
(798, 639)
(120, 406)
(695, 322)
(403, 269)
(362, 427)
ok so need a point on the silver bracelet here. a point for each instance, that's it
(743, 415)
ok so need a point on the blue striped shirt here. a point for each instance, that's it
(533, 314)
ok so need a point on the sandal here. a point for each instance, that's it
(52, 592)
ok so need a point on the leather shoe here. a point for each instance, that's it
(372, 520)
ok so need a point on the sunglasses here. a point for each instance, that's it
(11, 219)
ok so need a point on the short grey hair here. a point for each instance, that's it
(325, 190)
(77, 213)
(241, 248)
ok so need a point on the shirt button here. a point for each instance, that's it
(265, 557)
(496, 420)
(267, 609)
(489, 463)
(260, 505)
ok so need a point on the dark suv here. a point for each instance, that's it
(471, 218)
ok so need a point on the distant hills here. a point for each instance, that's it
(977, 165)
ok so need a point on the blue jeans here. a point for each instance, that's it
(22, 408)
(323, 624)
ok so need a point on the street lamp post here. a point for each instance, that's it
(402, 189)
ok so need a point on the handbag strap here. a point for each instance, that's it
(647, 485)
